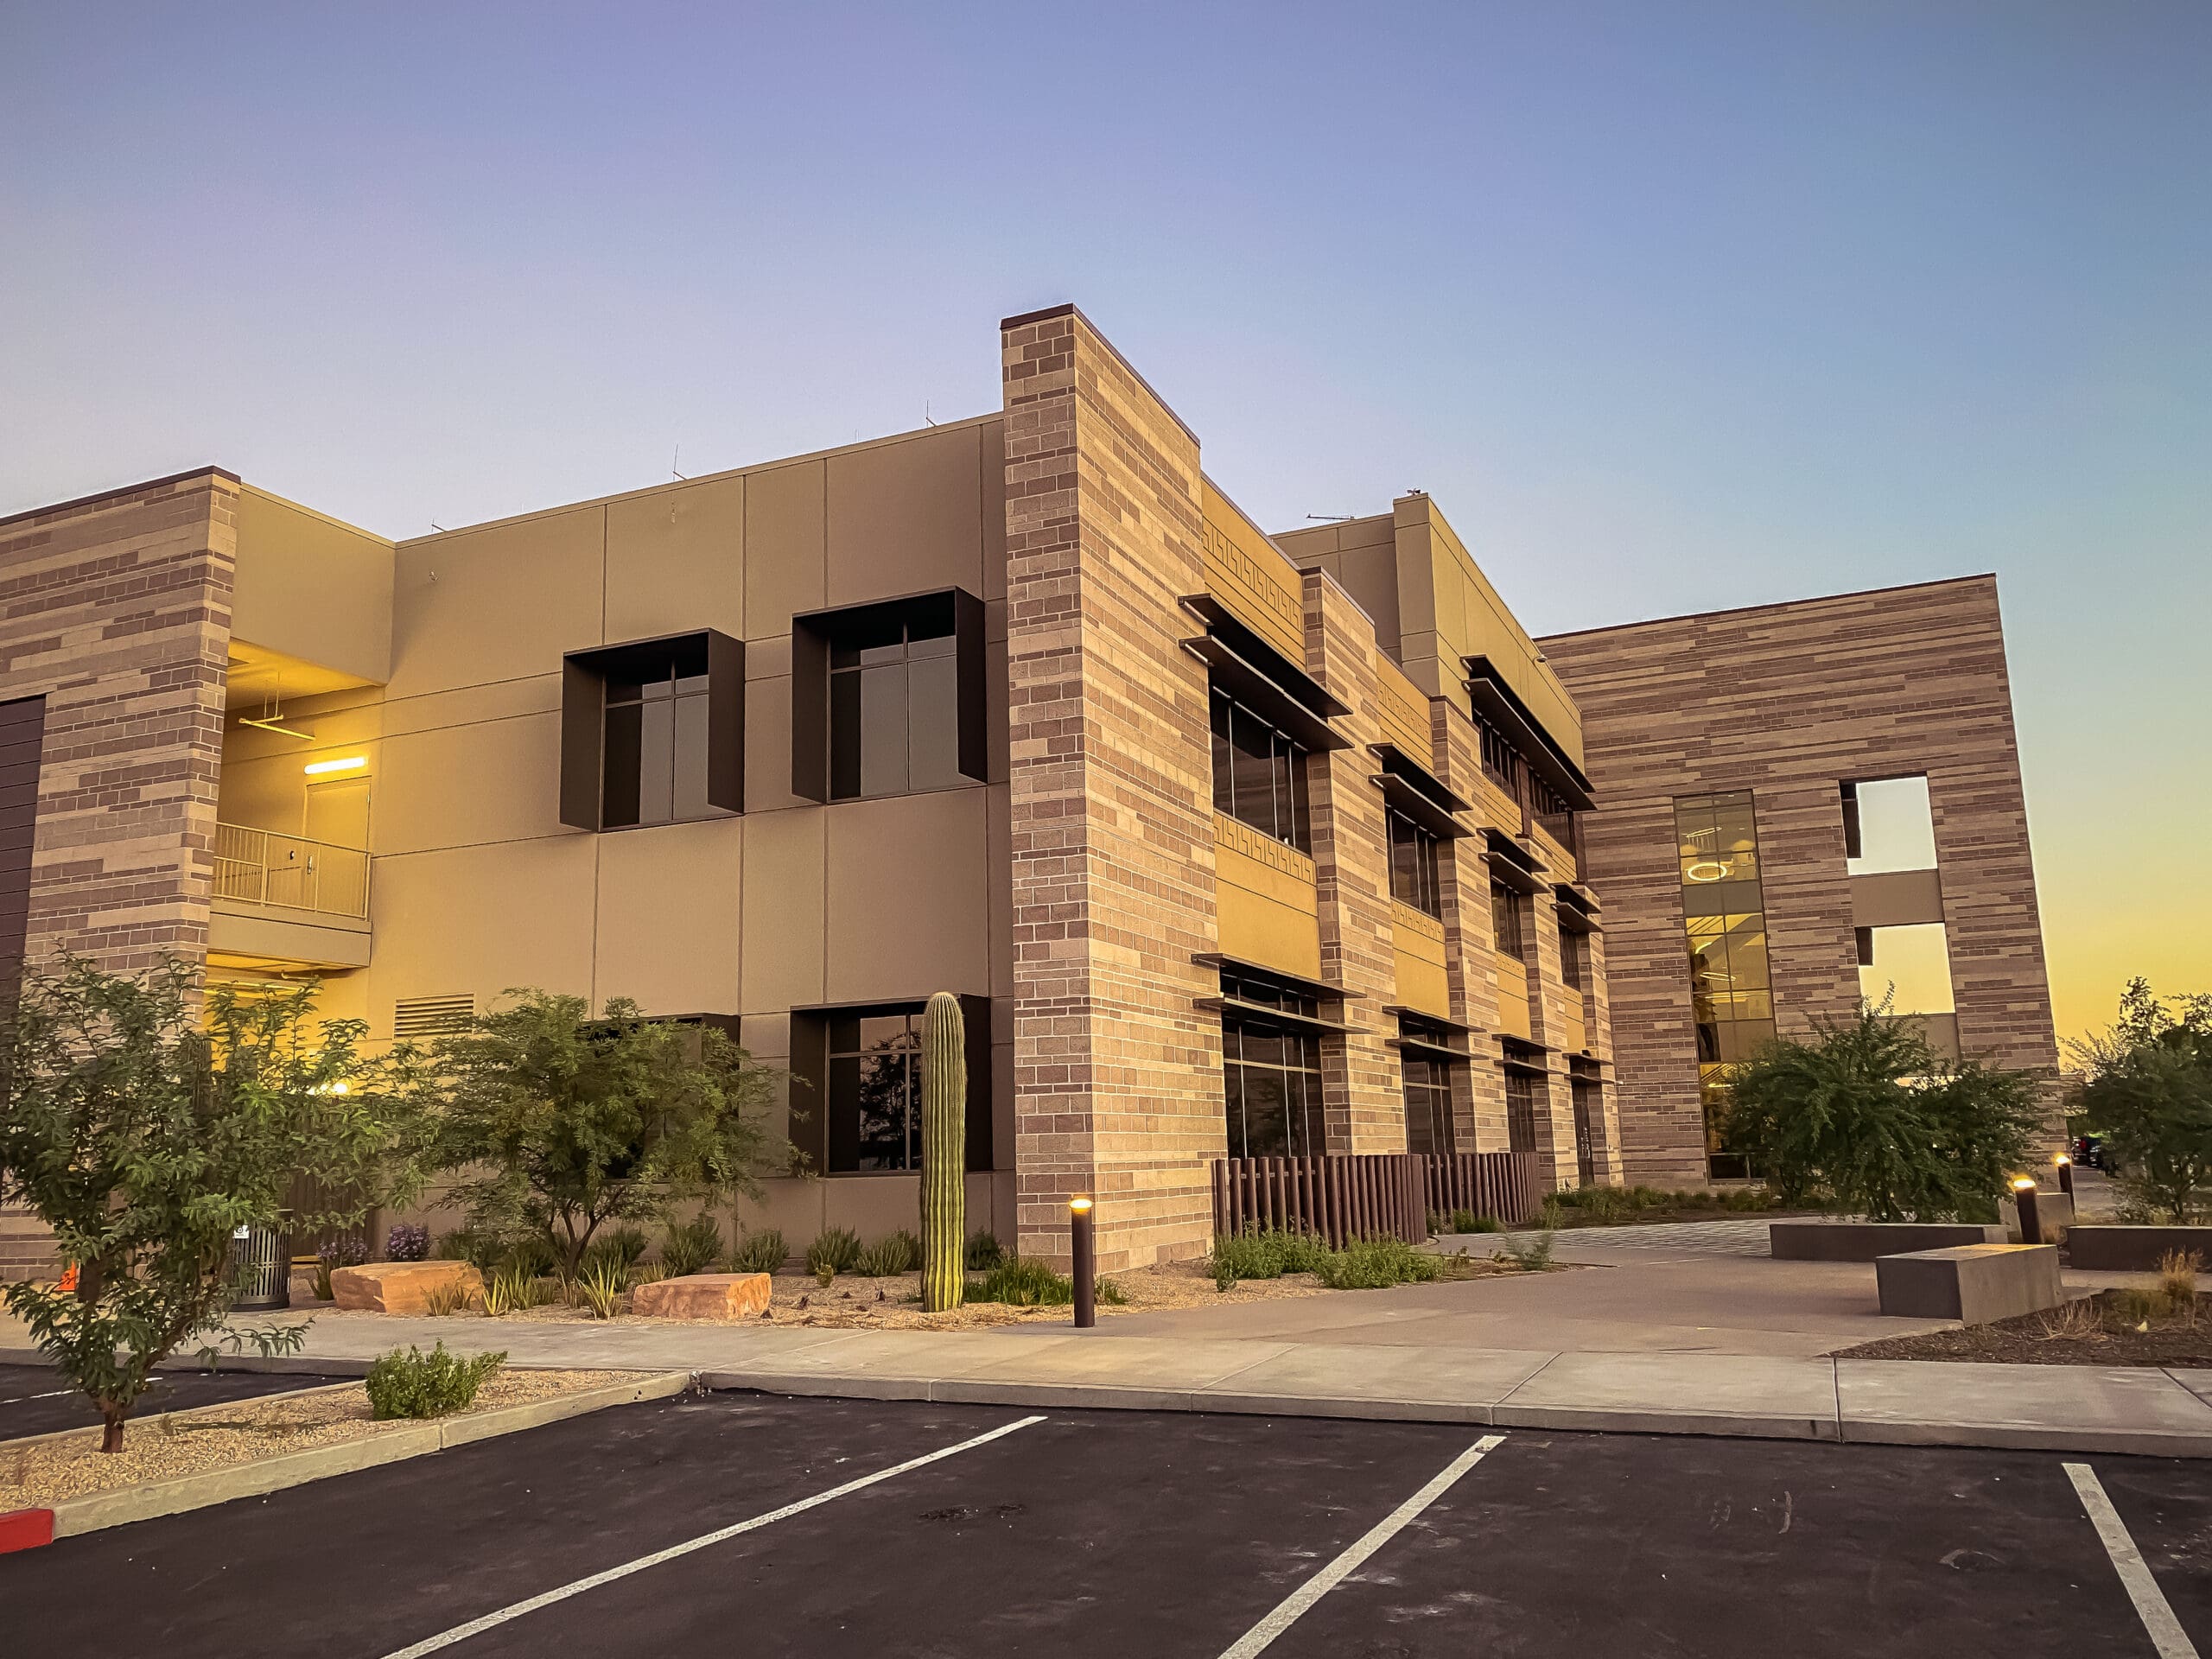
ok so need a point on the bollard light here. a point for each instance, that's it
(2065, 1174)
(1083, 1249)
(2024, 1201)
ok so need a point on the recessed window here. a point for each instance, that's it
(1259, 773)
(1574, 960)
(1909, 968)
(653, 732)
(1271, 1079)
(1412, 865)
(1888, 826)
(889, 699)
(1506, 932)
(1521, 1094)
(856, 1089)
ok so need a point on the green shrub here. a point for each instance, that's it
(601, 1285)
(1271, 1254)
(1531, 1253)
(984, 1251)
(480, 1250)
(626, 1245)
(761, 1252)
(532, 1255)
(417, 1385)
(895, 1253)
(835, 1250)
(1376, 1263)
(1022, 1282)
(691, 1248)
(1487, 1224)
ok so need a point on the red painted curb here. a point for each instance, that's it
(26, 1529)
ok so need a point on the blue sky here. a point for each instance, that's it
(1671, 306)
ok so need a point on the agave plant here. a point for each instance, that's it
(602, 1285)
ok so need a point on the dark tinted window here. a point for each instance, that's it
(1505, 921)
(875, 1092)
(1412, 865)
(894, 705)
(1259, 774)
(655, 749)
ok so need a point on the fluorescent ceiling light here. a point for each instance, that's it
(350, 763)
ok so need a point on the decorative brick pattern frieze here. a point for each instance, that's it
(1787, 701)
(1117, 1073)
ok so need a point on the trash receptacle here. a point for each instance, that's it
(261, 1266)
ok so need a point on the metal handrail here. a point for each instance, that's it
(265, 867)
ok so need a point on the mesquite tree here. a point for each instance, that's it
(2146, 1087)
(560, 1122)
(945, 1154)
(145, 1128)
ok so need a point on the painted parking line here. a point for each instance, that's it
(1295, 1605)
(493, 1620)
(2150, 1604)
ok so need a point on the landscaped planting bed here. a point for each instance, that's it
(2099, 1330)
(40, 1473)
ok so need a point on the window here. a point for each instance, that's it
(1574, 959)
(875, 1080)
(1521, 1107)
(1505, 922)
(1259, 773)
(653, 732)
(889, 699)
(655, 749)
(1723, 914)
(1888, 826)
(1589, 1112)
(1428, 1104)
(1500, 761)
(857, 1087)
(1908, 968)
(1412, 865)
(1271, 1074)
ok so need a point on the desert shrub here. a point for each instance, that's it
(624, 1243)
(1530, 1252)
(984, 1251)
(409, 1241)
(2177, 1271)
(441, 1302)
(1269, 1254)
(895, 1253)
(508, 1289)
(1375, 1263)
(479, 1249)
(2138, 1304)
(2146, 1089)
(835, 1250)
(691, 1248)
(601, 1285)
(761, 1252)
(336, 1254)
(417, 1385)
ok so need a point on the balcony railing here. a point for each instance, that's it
(264, 867)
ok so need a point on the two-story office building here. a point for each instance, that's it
(1233, 846)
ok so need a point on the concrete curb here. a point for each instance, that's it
(151, 1418)
(98, 1510)
(1834, 1431)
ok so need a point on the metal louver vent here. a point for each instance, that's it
(432, 1016)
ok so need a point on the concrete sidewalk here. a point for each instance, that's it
(2057, 1407)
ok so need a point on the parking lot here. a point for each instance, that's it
(1002, 1530)
(34, 1399)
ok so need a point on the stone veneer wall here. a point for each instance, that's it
(1787, 701)
(1117, 1073)
(116, 610)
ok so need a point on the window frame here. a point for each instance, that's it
(1288, 788)
(816, 639)
(812, 1110)
(1420, 886)
(586, 677)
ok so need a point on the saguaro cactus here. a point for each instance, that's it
(945, 1153)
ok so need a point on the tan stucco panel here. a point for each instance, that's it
(482, 920)
(311, 587)
(1417, 942)
(1267, 905)
(460, 785)
(784, 547)
(668, 916)
(675, 561)
(906, 517)
(909, 897)
(780, 919)
(499, 603)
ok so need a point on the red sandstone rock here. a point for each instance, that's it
(703, 1296)
(400, 1286)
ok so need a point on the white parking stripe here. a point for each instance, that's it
(2151, 1605)
(476, 1626)
(1295, 1605)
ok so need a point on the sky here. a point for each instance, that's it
(1672, 307)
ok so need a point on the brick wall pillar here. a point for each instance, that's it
(1478, 1089)
(1117, 1073)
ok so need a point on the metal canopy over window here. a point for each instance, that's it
(1499, 704)
(1262, 678)
(1321, 990)
(1413, 790)
(1577, 909)
(1511, 864)
(653, 732)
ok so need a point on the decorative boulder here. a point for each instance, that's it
(400, 1286)
(703, 1296)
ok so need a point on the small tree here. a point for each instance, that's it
(145, 1130)
(1869, 1114)
(2146, 1088)
(562, 1123)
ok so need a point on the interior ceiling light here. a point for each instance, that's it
(1707, 870)
(350, 763)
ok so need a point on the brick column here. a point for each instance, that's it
(1547, 1025)
(1470, 940)
(1361, 1082)
(1117, 1074)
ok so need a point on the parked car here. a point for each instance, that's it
(2089, 1151)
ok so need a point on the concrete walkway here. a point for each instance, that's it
(2076, 1409)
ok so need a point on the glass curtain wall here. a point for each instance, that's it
(1723, 911)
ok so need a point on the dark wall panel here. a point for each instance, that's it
(23, 730)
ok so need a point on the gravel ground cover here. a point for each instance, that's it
(173, 1444)
(2097, 1334)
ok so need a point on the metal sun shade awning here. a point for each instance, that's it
(1577, 908)
(1499, 704)
(1262, 678)
(1417, 793)
(1512, 864)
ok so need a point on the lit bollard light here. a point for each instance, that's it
(1083, 1243)
(2024, 1200)
(2066, 1174)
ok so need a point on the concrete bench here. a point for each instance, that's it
(2134, 1249)
(1973, 1283)
(2054, 1210)
(1866, 1241)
